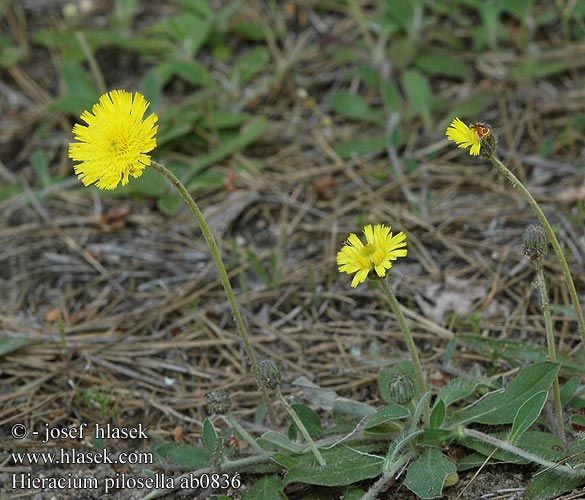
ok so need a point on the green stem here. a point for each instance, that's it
(420, 378)
(293, 415)
(550, 339)
(94, 67)
(372, 493)
(213, 248)
(552, 237)
(503, 445)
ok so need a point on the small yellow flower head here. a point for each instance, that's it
(375, 257)
(475, 136)
(113, 144)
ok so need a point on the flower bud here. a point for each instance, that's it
(401, 388)
(535, 241)
(71, 15)
(270, 373)
(218, 402)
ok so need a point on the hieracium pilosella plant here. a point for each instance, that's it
(480, 139)
(373, 260)
(113, 146)
(364, 445)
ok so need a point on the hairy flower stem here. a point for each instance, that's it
(552, 237)
(295, 418)
(510, 448)
(420, 378)
(550, 339)
(213, 248)
(378, 486)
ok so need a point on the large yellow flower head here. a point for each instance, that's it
(468, 137)
(113, 144)
(376, 255)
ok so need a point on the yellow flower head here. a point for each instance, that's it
(376, 255)
(114, 143)
(467, 137)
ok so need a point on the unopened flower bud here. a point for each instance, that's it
(270, 373)
(218, 402)
(401, 388)
(71, 15)
(535, 241)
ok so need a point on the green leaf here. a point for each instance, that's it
(285, 460)
(352, 493)
(193, 457)
(442, 64)
(81, 92)
(569, 389)
(501, 407)
(550, 484)
(426, 476)
(438, 437)
(188, 31)
(350, 407)
(527, 415)
(10, 55)
(209, 435)
(542, 444)
(170, 203)
(457, 389)
(515, 350)
(248, 134)
(386, 415)
(438, 414)
(472, 107)
(249, 65)
(578, 420)
(148, 184)
(11, 344)
(193, 72)
(266, 488)
(10, 190)
(217, 120)
(273, 440)
(537, 69)
(309, 419)
(361, 147)
(355, 107)
(251, 31)
(344, 466)
(417, 88)
(41, 167)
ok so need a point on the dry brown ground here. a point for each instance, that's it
(147, 326)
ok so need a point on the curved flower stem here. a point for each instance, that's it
(295, 418)
(552, 237)
(420, 378)
(213, 248)
(550, 339)
(510, 448)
